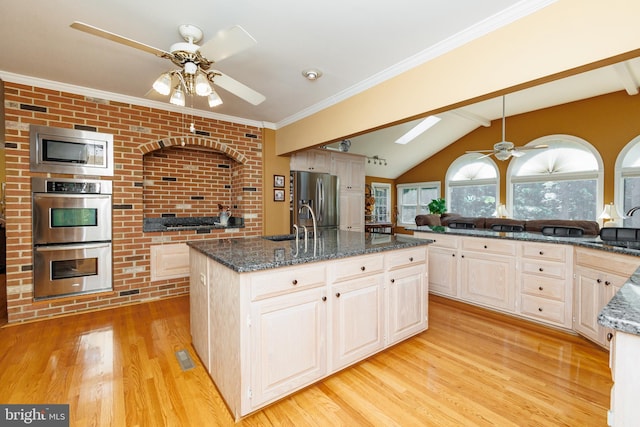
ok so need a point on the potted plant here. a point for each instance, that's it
(437, 206)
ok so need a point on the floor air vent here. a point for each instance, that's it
(184, 359)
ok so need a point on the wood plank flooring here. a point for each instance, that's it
(471, 368)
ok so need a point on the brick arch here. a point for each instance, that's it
(201, 141)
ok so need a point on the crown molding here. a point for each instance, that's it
(117, 97)
(505, 17)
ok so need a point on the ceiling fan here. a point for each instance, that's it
(194, 74)
(504, 149)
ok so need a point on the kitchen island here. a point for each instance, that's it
(269, 317)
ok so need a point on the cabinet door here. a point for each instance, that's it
(288, 343)
(357, 320)
(199, 305)
(350, 170)
(407, 303)
(311, 160)
(351, 210)
(488, 280)
(588, 296)
(443, 271)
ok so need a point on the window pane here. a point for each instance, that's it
(473, 200)
(381, 209)
(408, 214)
(409, 196)
(631, 199)
(575, 199)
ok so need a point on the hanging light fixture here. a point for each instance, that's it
(162, 85)
(177, 97)
(191, 80)
(214, 99)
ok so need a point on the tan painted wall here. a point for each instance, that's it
(607, 122)
(563, 36)
(276, 214)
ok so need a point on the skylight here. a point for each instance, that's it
(418, 130)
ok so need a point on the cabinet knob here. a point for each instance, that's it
(599, 280)
(461, 256)
(540, 309)
(485, 246)
(337, 294)
(363, 268)
(294, 282)
(324, 298)
(541, 252)
(609, 336)
(410, 259)
(453, 254)
(393, 280)
(607, 283)
(540, 288)
(541, 269)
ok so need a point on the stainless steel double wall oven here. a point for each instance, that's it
(72, 229)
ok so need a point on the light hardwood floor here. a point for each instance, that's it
(472, 367)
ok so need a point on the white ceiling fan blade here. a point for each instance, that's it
(90, 29)
(535, 147)
(479, 151)
(227, 43)
(237, 88)
(484, 155)
(517, 153)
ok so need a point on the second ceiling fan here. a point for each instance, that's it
(504, 149)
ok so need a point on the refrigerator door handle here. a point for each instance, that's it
(320, 199)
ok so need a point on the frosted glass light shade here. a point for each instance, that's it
(214, 99)
(162, 85)
(203, 88)
(177, 98)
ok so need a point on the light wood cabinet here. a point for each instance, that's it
(276, 331)
(443, 264)
(315, 160)
(546, 278)
(199, 305)
(170, 261)
(488, 272)
(624, 356)
(351, 210)
(598, 276)
(288, 343)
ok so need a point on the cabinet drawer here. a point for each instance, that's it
(543, 309)
(494, 246)
(350, 268)
(281, 281)
(543, 287)
(624, 265)
(406, 257)
(542, 251)
(440, 240)
(547, 269)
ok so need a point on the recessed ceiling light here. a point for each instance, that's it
(312, 74)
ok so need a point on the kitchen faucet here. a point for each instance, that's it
(315, 225)
(633, 210)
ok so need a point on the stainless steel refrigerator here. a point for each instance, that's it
(320, 191)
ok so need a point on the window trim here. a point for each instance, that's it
(388, 187)
(425, 184)
(549, 140)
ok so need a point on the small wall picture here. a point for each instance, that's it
(278, 195)
(278, 181)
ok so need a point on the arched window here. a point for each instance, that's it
(563, 181)
(627, 179)
(472, 185)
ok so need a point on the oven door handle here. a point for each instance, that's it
(72, 247)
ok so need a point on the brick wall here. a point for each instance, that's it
(138, 131)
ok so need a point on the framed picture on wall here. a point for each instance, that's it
(278, 195)
(278, 181)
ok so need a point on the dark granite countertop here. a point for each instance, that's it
(257, 253)
(622, 313)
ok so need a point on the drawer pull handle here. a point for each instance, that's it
(540, 309)
(362, 268)
(609, 336)
(541, 269)
(410, 259)
(294, 282)
(324, 298)
(607, 283)
(540, 288)
(541, 252)
(337, 294)
(393, 280)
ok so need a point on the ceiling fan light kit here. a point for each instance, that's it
(194, 76)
